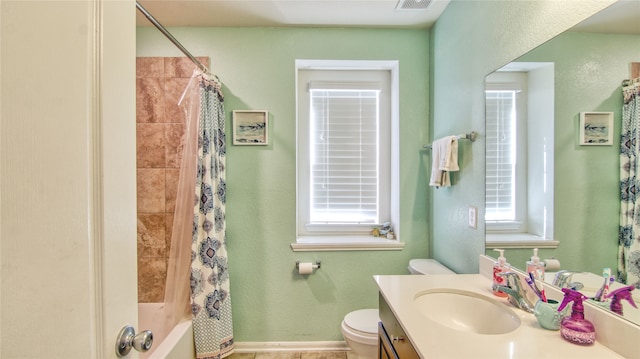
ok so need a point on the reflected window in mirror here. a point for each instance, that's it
(506, 159)
(519, 140)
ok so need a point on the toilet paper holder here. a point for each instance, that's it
(315, 266)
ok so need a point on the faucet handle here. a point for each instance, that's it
(563, 278)
(517, 294)
(512, 278)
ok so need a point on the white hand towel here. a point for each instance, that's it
(444, 152)
(449, 159)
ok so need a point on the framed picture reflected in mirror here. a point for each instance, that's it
(596, 128)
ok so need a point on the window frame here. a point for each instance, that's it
(336, 237)
(540, 83)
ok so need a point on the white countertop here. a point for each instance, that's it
(434, 340)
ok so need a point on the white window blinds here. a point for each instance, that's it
(344, 153)
(500, 155)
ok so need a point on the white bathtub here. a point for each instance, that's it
(177, 344)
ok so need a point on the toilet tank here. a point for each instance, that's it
(428, 266)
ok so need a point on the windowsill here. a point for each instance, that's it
(518, 240)
(345, 243)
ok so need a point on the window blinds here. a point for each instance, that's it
(344, 153)
(500, 155)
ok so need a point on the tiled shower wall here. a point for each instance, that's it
(160, 122)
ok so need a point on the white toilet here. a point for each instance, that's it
(360, 331)
(360, 328)
(428, 266)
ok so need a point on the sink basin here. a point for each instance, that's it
(467, 311)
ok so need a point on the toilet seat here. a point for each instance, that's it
(363, 321)
(360, 331)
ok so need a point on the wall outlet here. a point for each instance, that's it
(473, 217)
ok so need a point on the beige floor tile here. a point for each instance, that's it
(242, 356)
(324, 355)
(278, 355)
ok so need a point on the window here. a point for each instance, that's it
(506, 160)
(501, 155)
(346, 128)
(519, 156)
(344, 144)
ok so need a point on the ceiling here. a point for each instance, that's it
(621, 17)
(282, 13)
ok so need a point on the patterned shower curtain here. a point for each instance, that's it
(210, 297)
(629, 236)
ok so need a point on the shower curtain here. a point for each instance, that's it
(209, 279)
(629, 235)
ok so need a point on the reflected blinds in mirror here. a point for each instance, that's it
(500, 155)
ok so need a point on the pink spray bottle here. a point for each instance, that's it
(618, 295)
(575, 328)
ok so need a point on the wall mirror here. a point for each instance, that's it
(565, 200)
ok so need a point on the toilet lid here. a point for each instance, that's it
(364, 320)
(429, 266)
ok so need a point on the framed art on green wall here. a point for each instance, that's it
(596, 128)
(250, 127)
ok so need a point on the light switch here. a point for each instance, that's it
(473, 217)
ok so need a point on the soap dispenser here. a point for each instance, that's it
(575, 328)
(535, 266)
(501, 266)
(619, 294)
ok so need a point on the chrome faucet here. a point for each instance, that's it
(516, 293)
(563, 278)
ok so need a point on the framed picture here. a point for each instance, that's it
(250, 127)
(596, 128)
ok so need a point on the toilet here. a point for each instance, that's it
(360, 331)
(428, 266)
(360, 328)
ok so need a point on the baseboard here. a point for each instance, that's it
(250, 347)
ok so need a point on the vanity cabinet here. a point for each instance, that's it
(393, 343)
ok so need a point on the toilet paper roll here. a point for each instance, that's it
(551, 265)
(305, 268)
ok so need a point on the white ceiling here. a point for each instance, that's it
(621, 17)
(280, 13)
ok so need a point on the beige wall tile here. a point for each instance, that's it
(181, 66)
(173, 90)
(149, 67)
(151, 235)
(171, 188)
(168, 225)
(151, 189)
(150, 145)
(152, 274)
(174, 143)
(150, 105)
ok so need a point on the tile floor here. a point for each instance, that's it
(293, 355)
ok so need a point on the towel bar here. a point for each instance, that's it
(471, 136)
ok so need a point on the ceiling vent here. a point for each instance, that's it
(413, 4)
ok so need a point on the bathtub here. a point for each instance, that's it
(177, 344)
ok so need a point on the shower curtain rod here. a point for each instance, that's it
(171, 38)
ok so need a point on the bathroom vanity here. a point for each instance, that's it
(457, 316)
(393, 342)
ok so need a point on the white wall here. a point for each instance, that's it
(67, 177)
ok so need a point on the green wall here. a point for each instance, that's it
(470, 40)
(589, 69)
(256, 65)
